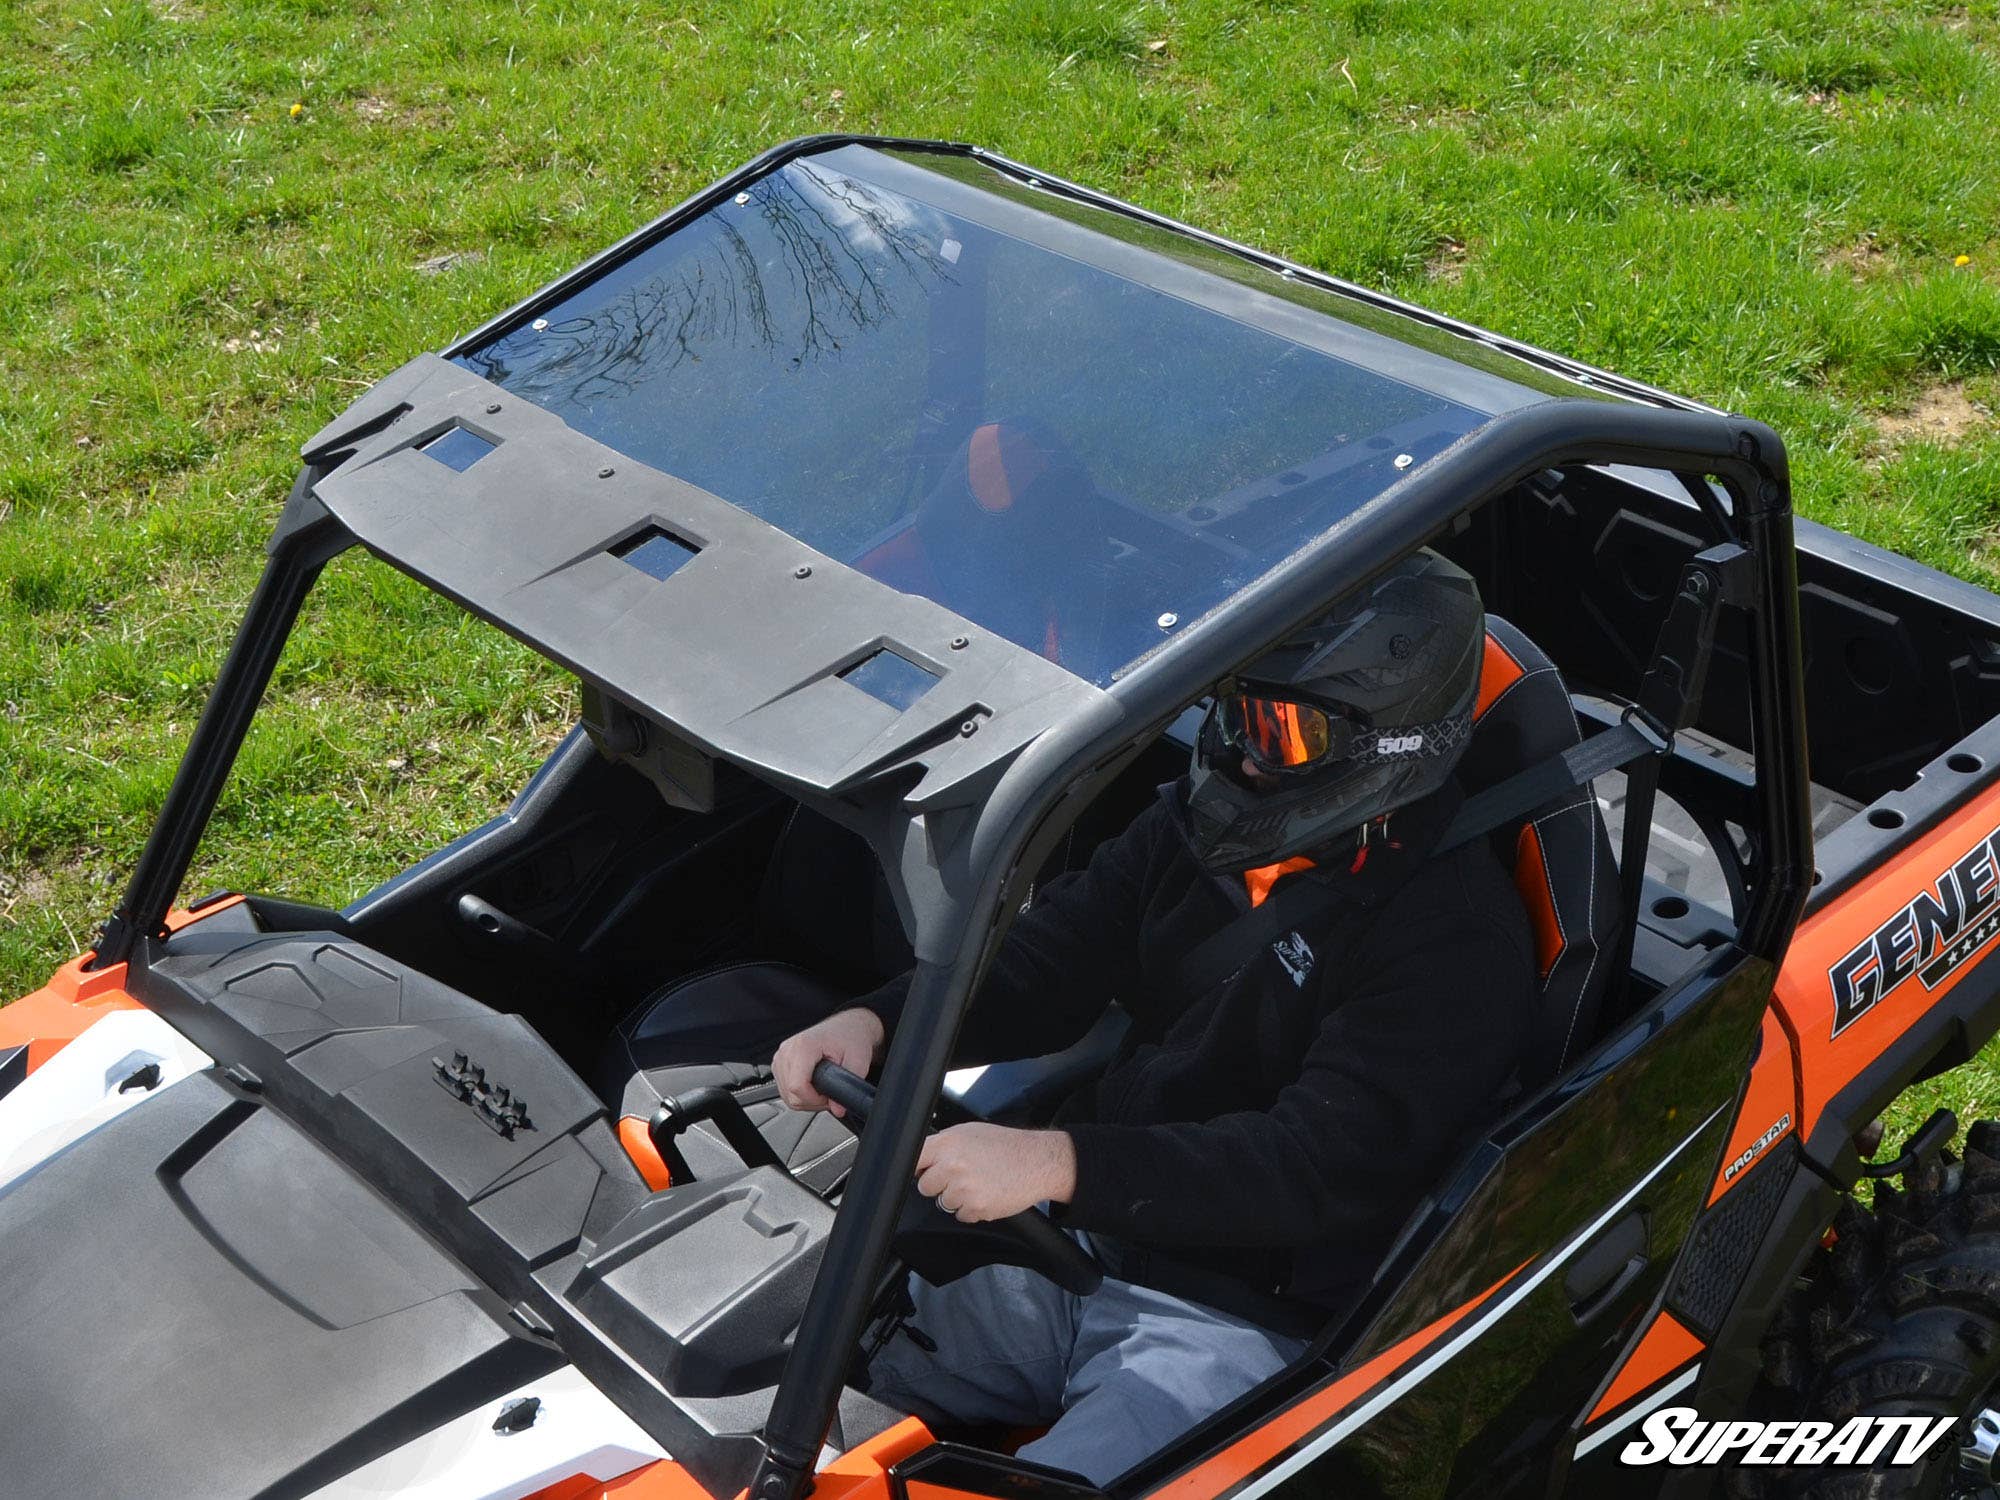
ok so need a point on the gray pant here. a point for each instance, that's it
(1119, 1373)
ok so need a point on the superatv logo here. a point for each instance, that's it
(1930, 937)
(1676, 1435)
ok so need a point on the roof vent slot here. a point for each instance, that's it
(890, 678)
(458, 448)
(656, 552)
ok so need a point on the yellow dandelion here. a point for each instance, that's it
(1961, 260)
(297, 110)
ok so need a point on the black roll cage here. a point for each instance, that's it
(1042, 787)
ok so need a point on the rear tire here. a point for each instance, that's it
(1898, 1316)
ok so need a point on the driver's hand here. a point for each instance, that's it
(978, 1171)
(849, 1037)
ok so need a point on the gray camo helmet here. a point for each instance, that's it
(1396, 667)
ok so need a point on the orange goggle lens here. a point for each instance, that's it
(1278, 735)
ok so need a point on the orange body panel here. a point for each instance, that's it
(573, 1488)
(72, 1001)
(1665, 1348)
(1770, 1108)
(1827, 1063)
(661, 1480)
(1254, 1449)
(861, 1473)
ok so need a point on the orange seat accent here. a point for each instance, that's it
(1531, 879)
(1497, 672)
(637, 1140)
(999, 465)
(1258, 882)
(1665, 1348)
(986, 469)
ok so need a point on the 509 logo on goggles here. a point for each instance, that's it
(1678, 1435)
(1936, 931)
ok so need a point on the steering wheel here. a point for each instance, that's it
(1030, 1235)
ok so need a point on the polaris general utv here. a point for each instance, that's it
(301, 1201)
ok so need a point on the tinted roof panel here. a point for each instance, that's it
(1027, 412)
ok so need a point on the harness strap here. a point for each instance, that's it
(1222, 953)
(1511, 801)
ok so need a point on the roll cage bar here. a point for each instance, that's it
(960, 908)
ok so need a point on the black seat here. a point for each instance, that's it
(1560, 855)
(825, 910)
(825, 919)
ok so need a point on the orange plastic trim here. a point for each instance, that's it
(861, 1473)
(573, 1488)
(637, 1140)
(1665, 1348)
(663, 1479)
(1770, 1107)
(74, 1000)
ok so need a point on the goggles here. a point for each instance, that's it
(1276, 734)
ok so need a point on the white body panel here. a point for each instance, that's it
(76, 1091)
(577, 1431)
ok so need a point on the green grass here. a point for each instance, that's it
(215, 217)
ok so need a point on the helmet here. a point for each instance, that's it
(1364, 710)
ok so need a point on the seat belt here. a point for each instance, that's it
(1668, 698)
(1669, 694)
(1511, 801)
(1291, 904)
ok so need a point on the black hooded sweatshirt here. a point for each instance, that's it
(1277, 1130)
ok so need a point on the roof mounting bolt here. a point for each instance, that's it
(492, 407)
(802, 571)
(968, 729)
(741, 199)
(1403, 461)
(1168, 620)
(606, 472)
(959, 643)
(539, 325)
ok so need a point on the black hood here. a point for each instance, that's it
(200, 1301)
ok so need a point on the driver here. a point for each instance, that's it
(1243, 1164)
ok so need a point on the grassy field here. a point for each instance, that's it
(219, 222)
